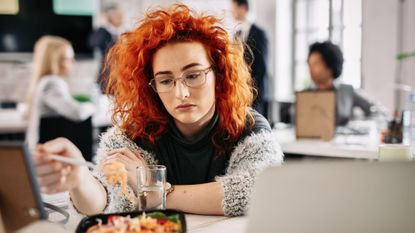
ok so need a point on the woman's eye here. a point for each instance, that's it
(193, 76)
(166, 81)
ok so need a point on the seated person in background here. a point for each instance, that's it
(325, 61)
(182, 95)
(48, 95)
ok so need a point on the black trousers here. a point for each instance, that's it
(79, 133)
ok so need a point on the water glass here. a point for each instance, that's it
(151, 187)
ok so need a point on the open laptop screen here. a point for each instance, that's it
(341, 197)
(20, 200)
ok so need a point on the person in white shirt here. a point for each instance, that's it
(49, 94)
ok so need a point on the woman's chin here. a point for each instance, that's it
(187, 119)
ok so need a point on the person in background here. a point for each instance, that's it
(105, 36)
(182, 94)
(325, 61)
(255, 54)
(49, 95)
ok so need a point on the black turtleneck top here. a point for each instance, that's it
(195, 161)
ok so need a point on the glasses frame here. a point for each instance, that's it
(205, 71)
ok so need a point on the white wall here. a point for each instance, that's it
(380, 46)
(283, 57)
(408, 66)
(265, 17)
(134, 10)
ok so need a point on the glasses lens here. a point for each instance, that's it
(191, 79)
(162, 84)
(195, 79)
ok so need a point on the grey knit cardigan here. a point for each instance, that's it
(250, 156)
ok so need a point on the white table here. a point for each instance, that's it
(208, 224)
(14, 121)
(195, 223)
(341, 146)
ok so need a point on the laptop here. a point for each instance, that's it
(341, 197)
(20, 200)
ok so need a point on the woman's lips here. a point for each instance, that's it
(185, 106)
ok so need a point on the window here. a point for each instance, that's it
(339, 21)
(73, 7)
(9, 7)
(19, 32)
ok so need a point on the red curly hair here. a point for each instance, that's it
(139, 111)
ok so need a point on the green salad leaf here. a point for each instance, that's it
(174, 218)
(81, 98)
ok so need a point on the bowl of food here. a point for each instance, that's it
(160, 221)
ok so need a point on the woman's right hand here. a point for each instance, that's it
(54, 176)
(130, 159)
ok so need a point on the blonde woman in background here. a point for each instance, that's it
(49, 95)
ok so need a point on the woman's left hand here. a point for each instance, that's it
(131, 161)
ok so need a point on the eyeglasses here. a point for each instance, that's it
(165, 83)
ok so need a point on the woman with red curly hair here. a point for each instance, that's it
(182, 95)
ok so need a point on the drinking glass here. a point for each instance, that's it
(151, 187)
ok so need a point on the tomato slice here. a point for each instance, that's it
(162, 221)
(113, 218)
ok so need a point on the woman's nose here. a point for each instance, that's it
(180, 89)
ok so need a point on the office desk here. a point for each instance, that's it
(341, 146)
(195, 223)
(14, 121)
(208, 224)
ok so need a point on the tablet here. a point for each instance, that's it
(20, 199)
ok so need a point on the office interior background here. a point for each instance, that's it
(371, 34)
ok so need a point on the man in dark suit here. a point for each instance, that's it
(104, 37)
(256, 52)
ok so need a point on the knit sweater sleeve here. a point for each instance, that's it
(250, 156)
(114, 138)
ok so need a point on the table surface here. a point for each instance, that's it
(341, 146)
(195, 223)
(14, 120)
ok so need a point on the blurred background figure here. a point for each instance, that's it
(325, 61)
(256, 52)
(105, 36)
(53, 111)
